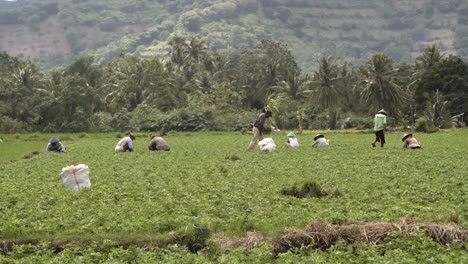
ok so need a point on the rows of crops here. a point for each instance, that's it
(210, 180)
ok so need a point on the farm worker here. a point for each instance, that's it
(125, 144)
(158, 143)
(380, 123)
(55, 145)
(320, 141)
(410, 142)
(292, 140)
(259, 127)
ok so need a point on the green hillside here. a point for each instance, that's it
(55, 31)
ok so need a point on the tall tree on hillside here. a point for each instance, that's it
(348, 79)
(450, 77)
(431, 56)
(293, 86)
(133, 81)
(264, 67)
(189, 58)
(92, 74)
(324, 85)
(178, 53)
(326, 89)
(197, 50)
(380, 89)
(20, 82)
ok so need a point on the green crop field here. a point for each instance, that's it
(210, 184)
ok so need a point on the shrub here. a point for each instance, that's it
(120, 121)
(100, 122)
(422, 125)
(8, 125)
(358, 122)
(233, 121)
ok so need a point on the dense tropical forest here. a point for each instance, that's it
(199, 89)
(186, 65)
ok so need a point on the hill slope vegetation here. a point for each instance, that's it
(54, 32)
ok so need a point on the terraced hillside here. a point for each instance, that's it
(55, 31)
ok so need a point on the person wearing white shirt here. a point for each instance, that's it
(320, 141)
(292, 141)
(125, 144)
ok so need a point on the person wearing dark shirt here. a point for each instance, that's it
(55, 145)
(259, 127)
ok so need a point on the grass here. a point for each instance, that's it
(210, 180)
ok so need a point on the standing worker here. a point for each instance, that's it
(380, 123)
(125, 144)
(158, 143)
(259, 127)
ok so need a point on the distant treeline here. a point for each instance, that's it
(198, 89)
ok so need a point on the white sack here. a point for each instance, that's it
(76, 177)
(267, 144)
(293, 142)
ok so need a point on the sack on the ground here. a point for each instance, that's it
(292, 142)
(76, 177)
(267, 144)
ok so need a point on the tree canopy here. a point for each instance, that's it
(197, 88)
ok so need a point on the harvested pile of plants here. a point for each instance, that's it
(323, 236)
(310, 189)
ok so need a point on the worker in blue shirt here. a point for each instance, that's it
(55, 145)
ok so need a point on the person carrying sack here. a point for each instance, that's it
(259, 127)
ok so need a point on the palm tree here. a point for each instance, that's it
(431, 55)
(20, 83)
(178, 53)
(293, 86)
(197, 50)
(437, 110)
(325, 87)
(380, 90)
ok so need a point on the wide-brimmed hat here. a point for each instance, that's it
(291, 134)
(54, 140)
(318, 136)
(405, 136)
(382, 111)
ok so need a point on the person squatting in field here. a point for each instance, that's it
(410, 142)
(292, 141)
(55, 145)
(259, 127)
(125, 144)
(380, 123)
(158, 143)
(320, 141)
